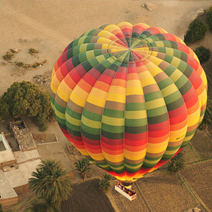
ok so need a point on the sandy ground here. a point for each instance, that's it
(50, 25)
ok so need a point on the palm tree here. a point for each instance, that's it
(51, 182)
(82, 166)
(104, 183)
(176, 164)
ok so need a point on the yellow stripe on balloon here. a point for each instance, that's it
(159, 43)
(114, 158)
(151, 162)
(77, 100)
(98, 93)
(157, 147)
(83, 48)
(81, 40)
(59, 114)
(64, 91)
(111, 27)
(175, 62)
(134, 155)
(154, 65)
(130, 167)
(103, 40)
(147, 81)
(90, 55)
(125, 23)
(72, 120)
(135, 114)
(176, 75)
(134, 91)
(96, 101)
(89, 122)
(55, 84)
(155, 103)
(117, 89)
(169, 90)
(170, 51)
(113, 121)
(80, 92)
(116, 97)
(98, 157)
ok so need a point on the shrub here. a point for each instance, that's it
(203, 54)
(209, 18)
(26, 98)
(196, 31)
(82, 166)
(1, 210)
(106, 176)
(104, 183)
(207, 120)
(176, 164)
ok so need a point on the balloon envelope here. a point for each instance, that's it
(129, 97)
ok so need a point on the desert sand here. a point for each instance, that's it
(50, 25)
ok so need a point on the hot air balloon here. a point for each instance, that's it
(128, 97)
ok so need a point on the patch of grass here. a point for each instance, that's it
(8, 56)
(36, 64)
(14, 50)
(19, 64)
(30, 66)
(33, 51)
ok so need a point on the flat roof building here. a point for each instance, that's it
(7, 157)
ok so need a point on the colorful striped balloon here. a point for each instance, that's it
(129, 97)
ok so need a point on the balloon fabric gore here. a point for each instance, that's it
(128, 97)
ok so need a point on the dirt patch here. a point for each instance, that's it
(199, 178)
(86, 197)
(44, 138)
(125, 205)
(190, 155)
(43, 81)
(202, 144)
(24, 202)
(165, 192)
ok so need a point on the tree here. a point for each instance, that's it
(203, 54)
(4, 109)
(26, 98)
(1, 209)
(209, 18)
(207, 120)
(176, 164)
(196, 31)
(39, 206)
(51, 182)
(82, 166)
(104, 183)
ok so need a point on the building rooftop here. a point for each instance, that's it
(6, 190)
(16, 178)
(23, 135)
(6, 154)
